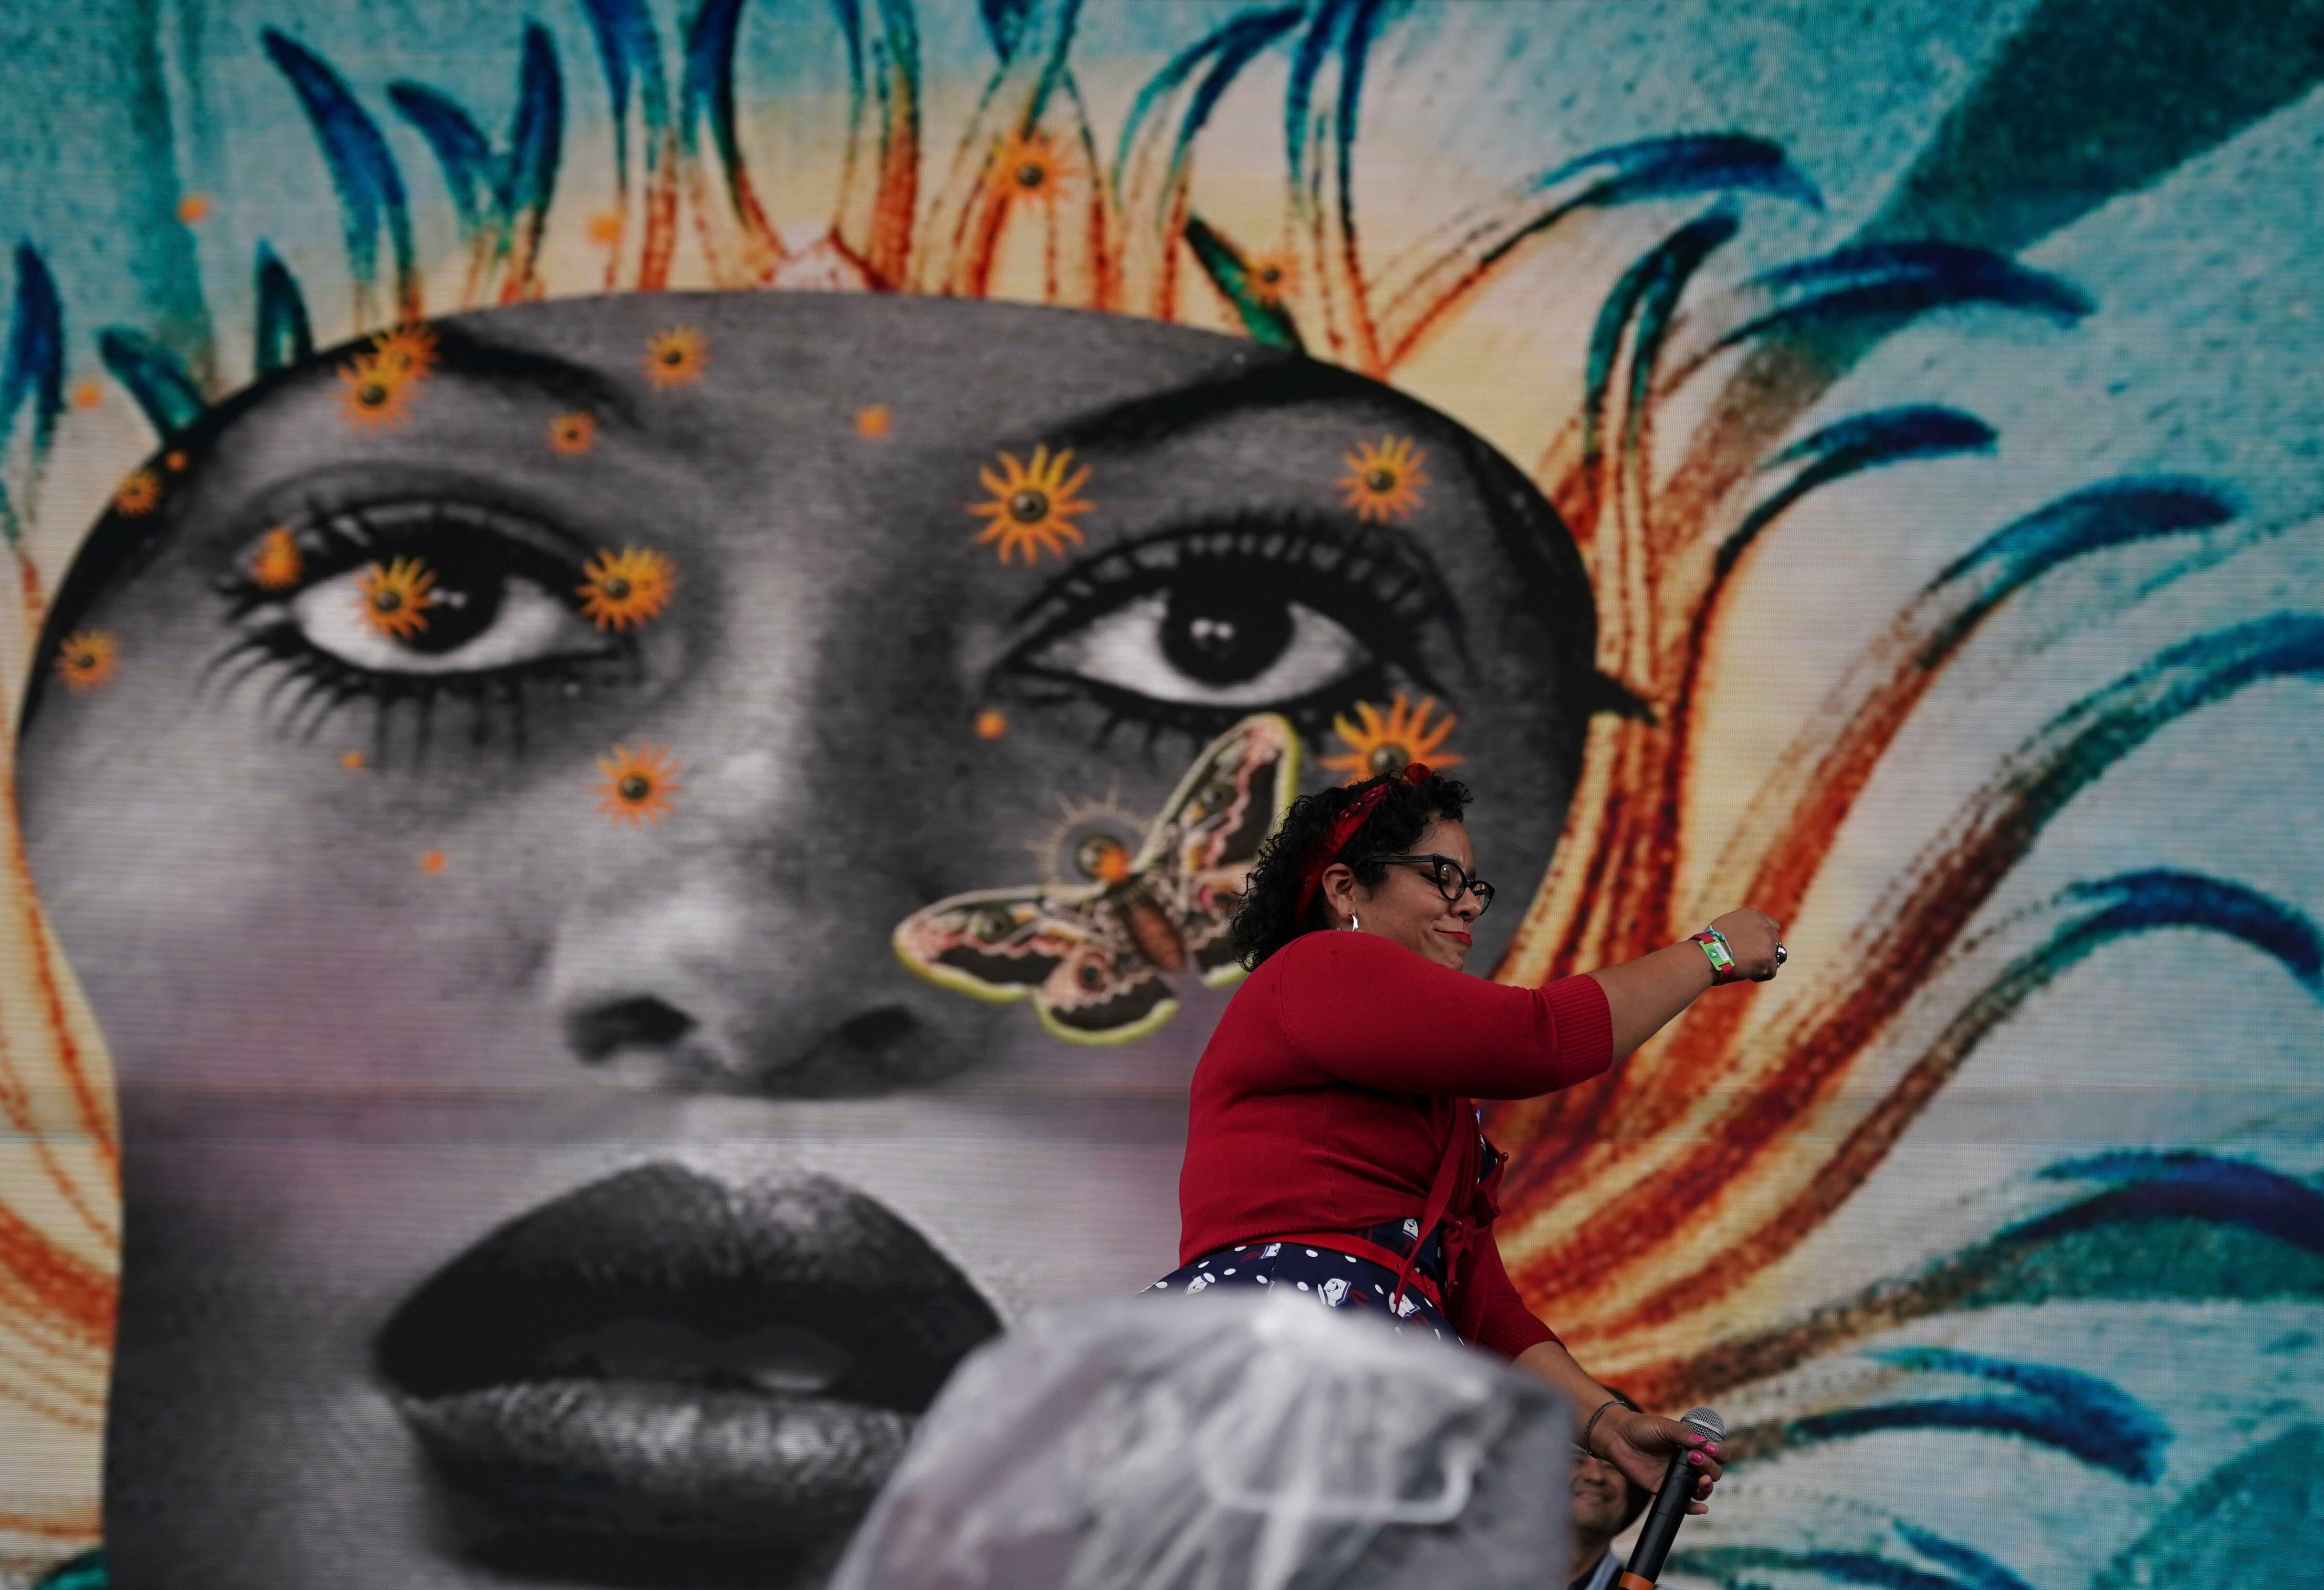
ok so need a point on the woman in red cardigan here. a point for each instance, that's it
(1332, 1145)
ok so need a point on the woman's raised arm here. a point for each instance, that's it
(1645, 994)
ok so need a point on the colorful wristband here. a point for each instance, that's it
(1722, 958)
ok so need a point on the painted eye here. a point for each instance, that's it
(382, 618)
(1210, 642)
(424, 590)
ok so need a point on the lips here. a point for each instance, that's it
(661, 1369)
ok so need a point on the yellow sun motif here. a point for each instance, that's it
(431, 861)
(88, 395)
(1382, 745)
(396, 596)
(1384, 478)
(570, 435)
(1032, 505)
(605, 229)
(352, 761)
(138, 494)
(627, 588)
(87, 658)
(1268, 277)
(637, 784)
(374, 397)
(277, 564)
(174, 461)
(675, 357)
(992, 723)
(1031, 167)
(872, 423)
(194, 207)
(406, 352)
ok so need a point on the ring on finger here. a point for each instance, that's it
(1782, 955)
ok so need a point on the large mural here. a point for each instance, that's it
(646, 640)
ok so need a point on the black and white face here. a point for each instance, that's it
(538, 1162)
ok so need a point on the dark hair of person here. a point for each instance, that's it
(1269, 917)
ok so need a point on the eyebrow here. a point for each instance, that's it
(1282, 382)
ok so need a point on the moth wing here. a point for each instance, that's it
(1201, 849)
(1233, 794)
(1104, 992)
(999, 944)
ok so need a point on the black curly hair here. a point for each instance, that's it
(1270, 918)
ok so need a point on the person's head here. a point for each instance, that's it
(565, 917)
(1390, 855)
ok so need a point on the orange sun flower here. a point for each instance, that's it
(88, 395)
(570, 435)
(1384, 478)
(626, 587)
(605, 229)
(277, 564)
(87, 658)
(1383, 745)
(637, 784)
(138, 494)
(406, 352)
(396, 596)
(374, 397)
(872, 423)
(1032, 505)
(1268, 276)
(194, 207)
(1031, 167)
(675, 357)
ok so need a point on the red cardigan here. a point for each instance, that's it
(1324, 1098)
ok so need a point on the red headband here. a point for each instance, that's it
(1344, 828)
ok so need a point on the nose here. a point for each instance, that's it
(710, 956)
(1467, 907)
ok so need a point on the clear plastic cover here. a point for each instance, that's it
(1243, 1442)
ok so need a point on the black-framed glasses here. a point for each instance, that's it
(1451, 879)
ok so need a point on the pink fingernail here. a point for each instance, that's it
(1694, 1457)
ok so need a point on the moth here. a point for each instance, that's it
(1092, 956)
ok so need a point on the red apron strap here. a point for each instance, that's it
(1440, 1193)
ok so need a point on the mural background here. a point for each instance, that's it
(1931, 393)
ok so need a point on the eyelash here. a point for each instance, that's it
(319, 683)
(1384, 594)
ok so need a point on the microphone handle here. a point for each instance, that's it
(1646, 1565)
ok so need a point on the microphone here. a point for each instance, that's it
(1669, 1508)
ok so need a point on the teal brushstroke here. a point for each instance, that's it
(1658, 276)
(1854, 445)
(1900, 280)
(2109, 513)
(370, 189)
(2250, 1522)
(85, 1572)
(2150, 1184)
(153, 376)
(34, 367)
(1229, 268)
(1977, 1570)
(1229, 49)
(707, 91)
(284, 335)
(537, 133)
(2066, 1410)
(461, 149)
